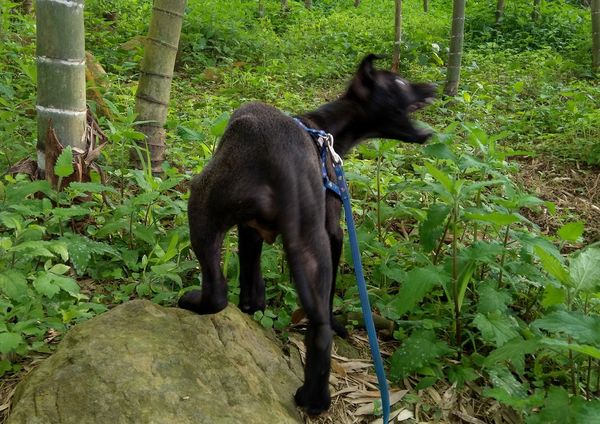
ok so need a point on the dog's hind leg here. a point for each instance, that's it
(310, 261)
(207, 239)
(336, 241)
(252, 285)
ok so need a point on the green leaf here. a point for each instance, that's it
(583, 328)
(571, 231)
(9, 342)
(439, 151)
(508, 387)
(552, 265)
(497, 327)
(584, 270)
(64, 163)
(442, 177)
(496, 218)
(492, 299)
(67, 284)
(463, 281)
(59, 269)
(418, 282)
(513, 351)
(419, 350)
(44, 284)
(561, 408)
(592, 351)
(433, 227)
(553, 296)
(218, 127)
(13, 284)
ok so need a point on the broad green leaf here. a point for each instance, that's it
(504, 380)
(571, 231)
(583, 328)
(417, 284)
(513, 351)
(44, 284)
(33, 248)
(218, 126)
(432, 228)
(67, 284)
(419, 350)
(492, 299)
(9, 342)
(585, 270)
(497, 327)
(59, 269)
(64, 164)
(553, 296)
(439, 151)
(90, 188)
(441, 177)
(13, 284)
(592, 351)
(552, 265)
(562, 408)
(496, 218)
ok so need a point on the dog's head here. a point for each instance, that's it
(388, 100)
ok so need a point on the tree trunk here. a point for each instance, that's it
(60, 74)
(308, 4)
(425, 6)
(397, 36)
(284, 5)
(26, 6)
(535, 13)
(499, 10)
(154, 89)
(261, 9)
(356, 3)
(596, 35)
(456, 47)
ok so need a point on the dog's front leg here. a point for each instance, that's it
(252, 285)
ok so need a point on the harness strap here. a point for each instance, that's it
(325, 143)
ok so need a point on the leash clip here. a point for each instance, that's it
(328, 141)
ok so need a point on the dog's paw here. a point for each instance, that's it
(249, 307)
(195, 302)
(339, 328)
(313, 405)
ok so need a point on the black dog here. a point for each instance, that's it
(265, 178)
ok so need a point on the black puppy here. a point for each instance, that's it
(265, 178)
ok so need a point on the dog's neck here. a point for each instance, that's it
(344, 119)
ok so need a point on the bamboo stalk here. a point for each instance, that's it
(595, 7)
(456, 47)
(154, 89)
(397, 36)
(60, 59)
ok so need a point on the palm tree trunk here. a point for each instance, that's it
(456, 47)
(154, 89)
(397, 36)
(425, 6)
(596, 35)
(60, 74)
(308, 4)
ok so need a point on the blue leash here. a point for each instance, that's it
(325, 142)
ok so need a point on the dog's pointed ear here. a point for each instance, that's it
(364, 80)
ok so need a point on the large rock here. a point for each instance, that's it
(142, 363)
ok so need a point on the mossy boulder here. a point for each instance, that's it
(143, 363)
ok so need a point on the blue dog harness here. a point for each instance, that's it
(324, 140)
